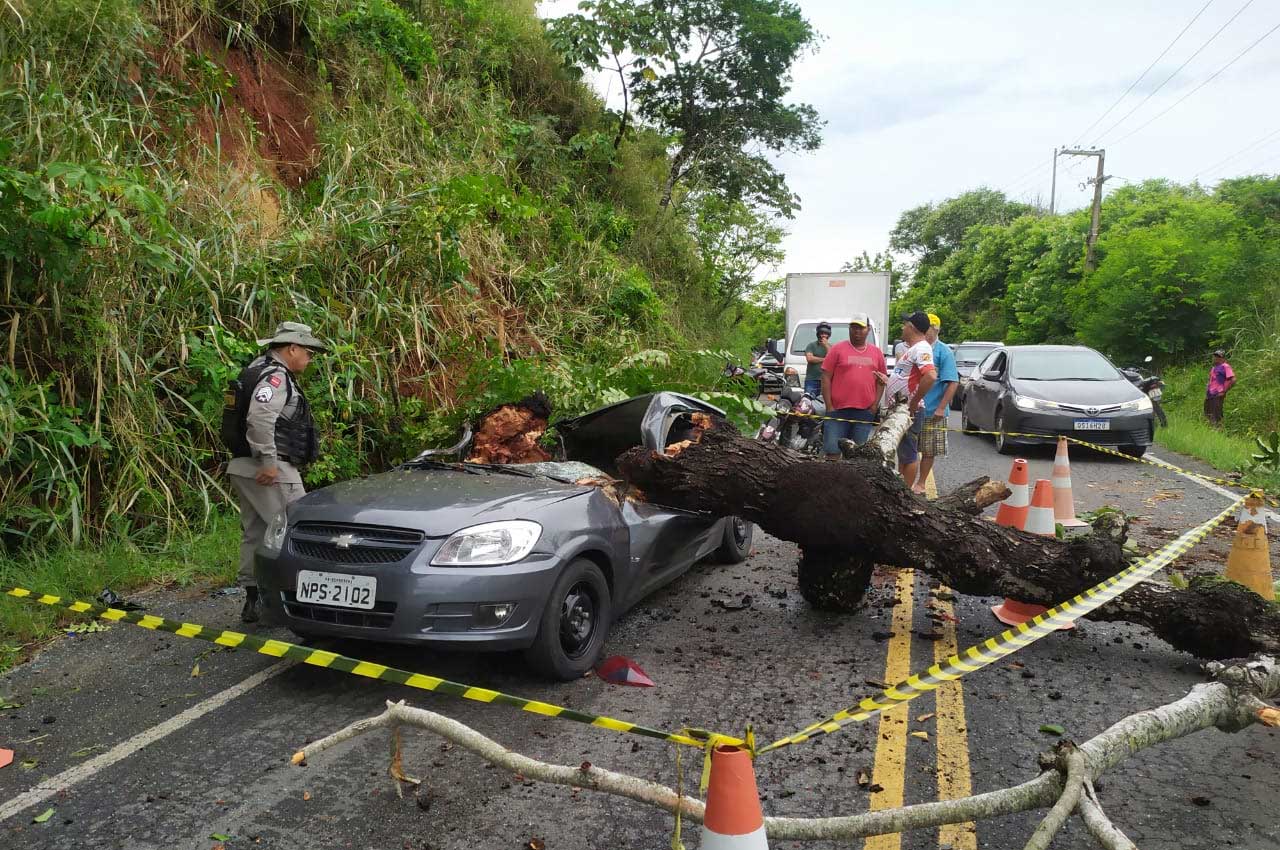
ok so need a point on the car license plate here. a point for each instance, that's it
(1093, 424)
(1156, 394)
(340, 589)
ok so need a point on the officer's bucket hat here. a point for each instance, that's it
(294, 332)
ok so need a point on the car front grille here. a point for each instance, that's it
(362, 545)
(379, 617)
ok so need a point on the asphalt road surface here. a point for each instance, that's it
(131, 750)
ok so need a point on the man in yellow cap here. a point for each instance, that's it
(937, 402)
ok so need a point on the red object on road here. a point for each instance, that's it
(620, 670)
(1012, 512)
(6, 757)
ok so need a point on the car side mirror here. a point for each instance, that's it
(992, 375)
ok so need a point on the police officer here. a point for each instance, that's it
(271, 435)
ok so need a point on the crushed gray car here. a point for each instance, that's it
(494, 557)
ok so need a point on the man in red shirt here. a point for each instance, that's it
(853, 376)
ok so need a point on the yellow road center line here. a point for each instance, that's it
(952, 735)
(890, 769)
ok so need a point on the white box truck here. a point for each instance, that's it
(834, 298)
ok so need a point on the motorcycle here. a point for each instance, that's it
(793, 425)
(1152, 385)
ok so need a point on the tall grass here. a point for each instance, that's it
(461, 204)
(1192, 435)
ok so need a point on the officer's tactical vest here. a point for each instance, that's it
(296, 440)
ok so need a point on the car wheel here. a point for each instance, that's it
(736, 545)
(1003, 446)
(1134, 451)
(574, 624)
(966, 424)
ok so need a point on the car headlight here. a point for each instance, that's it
(1026, 403)
(1140, 404)
(489, 545)
(273, 540)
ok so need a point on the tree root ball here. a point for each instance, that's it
(832, 579)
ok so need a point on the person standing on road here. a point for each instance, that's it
(853, 376)
(1221, 379)
(271, 433)
(814, 353)
(937, 402)
(921, 375)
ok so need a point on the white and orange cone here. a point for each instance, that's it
(1064, 509)
(733, 820)
(1011, 612)
(1012, 512)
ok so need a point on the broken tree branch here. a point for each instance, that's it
(1072, 760)
(1229, 704)
(865, 519)
(1099, 825)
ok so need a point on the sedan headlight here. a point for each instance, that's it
(1027, 403)
(489, 545)
(273, 540)
(1141, 404)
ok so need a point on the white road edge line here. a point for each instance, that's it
(81, 772)
(1272, 516)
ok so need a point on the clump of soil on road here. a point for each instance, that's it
(510, 433)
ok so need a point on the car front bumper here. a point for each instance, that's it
(1037, 426)
(414, 601)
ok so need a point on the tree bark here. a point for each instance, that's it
(869, 517)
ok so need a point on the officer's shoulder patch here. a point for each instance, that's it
(263, 394)
(274, 380)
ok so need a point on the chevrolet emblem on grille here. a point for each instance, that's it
(344, 541)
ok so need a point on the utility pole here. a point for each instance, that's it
(1053, 187)
(1101, 154)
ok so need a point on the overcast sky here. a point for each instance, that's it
(924, 99)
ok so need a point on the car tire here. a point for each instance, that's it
(966, 424)
(736, 545)
(1134, 451)
(1003, 446)
(567, 647)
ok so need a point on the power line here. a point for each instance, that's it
(1238, 153)
(1176, 71)
(1142, 76)
(1206, 82)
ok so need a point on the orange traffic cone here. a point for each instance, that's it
(1012, 512)
(733, 819)
(1011, 612)
(1249, 561)
(1064, 510)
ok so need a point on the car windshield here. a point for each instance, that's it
(808, 332)
(1059, 365)
(972, 353)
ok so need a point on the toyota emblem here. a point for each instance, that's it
(344, 541)
(1092, 411)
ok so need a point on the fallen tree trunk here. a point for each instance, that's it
(869, 517)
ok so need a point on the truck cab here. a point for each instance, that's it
(806, 331)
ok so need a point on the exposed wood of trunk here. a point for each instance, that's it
(868, 515)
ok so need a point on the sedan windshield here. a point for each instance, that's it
(972, 353)
(1058, 365)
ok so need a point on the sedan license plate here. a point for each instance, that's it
(1093, 424)
(340, 589)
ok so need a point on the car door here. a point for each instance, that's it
(665, 542)
(985, 391)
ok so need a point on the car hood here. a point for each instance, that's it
(1091, 393)
(435, 501)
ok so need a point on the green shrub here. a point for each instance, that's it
(384, 27)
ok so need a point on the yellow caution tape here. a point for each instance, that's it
(993, 649)
(333, 661)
